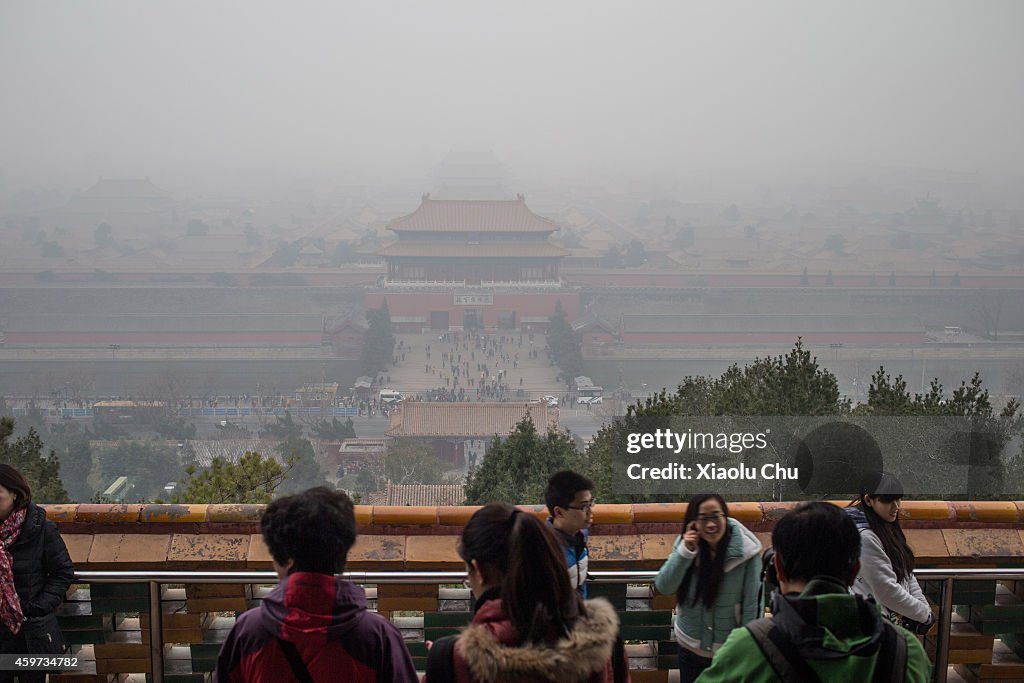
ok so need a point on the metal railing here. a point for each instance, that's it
(156, 578)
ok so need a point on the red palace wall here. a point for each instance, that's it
(428, 306)
(772, 338)
(269, 338)
(684, 280)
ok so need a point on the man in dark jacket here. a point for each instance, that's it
(41, 569)
(313, 626)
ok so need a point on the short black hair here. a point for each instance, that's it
(816, 539)
(314, 528)
(563, 487)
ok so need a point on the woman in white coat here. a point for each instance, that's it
(886, 560)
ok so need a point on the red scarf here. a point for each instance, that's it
(10, 606)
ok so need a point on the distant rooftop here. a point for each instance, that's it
(480, 420)
(419, 494)
(486, 215)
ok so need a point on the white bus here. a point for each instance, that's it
(589, 395)
(389, 396)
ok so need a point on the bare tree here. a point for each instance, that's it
(990, 308)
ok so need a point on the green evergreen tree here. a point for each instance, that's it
(790, 385)
(282, 428)
(253, 479)
(989, 432)
(565, 344)
(25, 454)
(517, 468)
(378, 341)
(334, 430)
(302, 471)
(149, 465)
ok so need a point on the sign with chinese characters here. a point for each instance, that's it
(474, 299)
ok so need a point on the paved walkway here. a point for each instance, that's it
(489, 367)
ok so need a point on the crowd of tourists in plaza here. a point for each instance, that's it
(476, 366)
(838, 582)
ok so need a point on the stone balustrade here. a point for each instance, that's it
(110, 622)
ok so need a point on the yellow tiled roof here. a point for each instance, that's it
(436, 248)
(458, 215)
(419, 494)
(480, 420)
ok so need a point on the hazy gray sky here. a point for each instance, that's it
(210, 89)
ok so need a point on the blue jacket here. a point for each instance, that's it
(576, 557)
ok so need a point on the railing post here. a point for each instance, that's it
(945, 624)
(156, 633)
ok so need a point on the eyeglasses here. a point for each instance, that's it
(586, 507)
(704, 520)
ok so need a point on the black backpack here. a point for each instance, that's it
(440, 665)
(769, 579)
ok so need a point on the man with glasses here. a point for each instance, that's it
(570, 501)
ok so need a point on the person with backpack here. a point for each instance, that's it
(886, 559)
(715, 571)
(819, 631)
(529, 623)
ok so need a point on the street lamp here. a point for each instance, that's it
(114, 348)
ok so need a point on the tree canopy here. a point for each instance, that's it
(25, 454)
(297, 455)
(410, 461)
(378, 341)
(565, 344)
(334, 429)
(253, 479)
(795, 385)
(517, 468)
(150, 465)
(301, 468)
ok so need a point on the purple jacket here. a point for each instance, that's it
(327, 620)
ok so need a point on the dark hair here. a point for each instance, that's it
(523, 553)
(710, 569)
(887, 489)
(15, 482)
(563, 487)
(314, 528)
(816, 539)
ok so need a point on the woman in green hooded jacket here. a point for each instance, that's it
(714, 570)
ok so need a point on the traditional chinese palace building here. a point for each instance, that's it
(473, 264)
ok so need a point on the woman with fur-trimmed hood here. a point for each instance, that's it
(529, 623)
